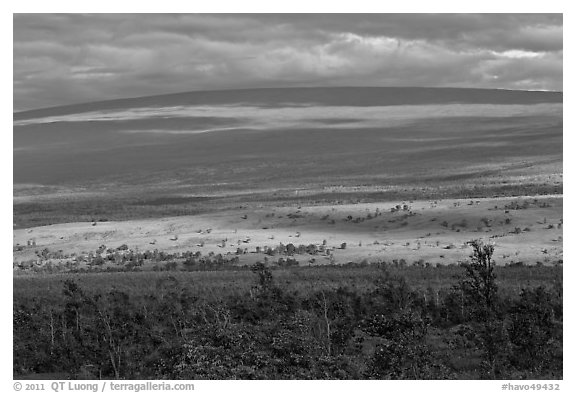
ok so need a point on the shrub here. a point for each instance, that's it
(535, 332)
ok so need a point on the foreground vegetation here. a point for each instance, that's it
(380, 321)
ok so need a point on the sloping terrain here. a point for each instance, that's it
(186, 153)
(287, 136)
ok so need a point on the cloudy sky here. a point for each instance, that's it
(73, 58)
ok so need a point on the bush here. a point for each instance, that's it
(536, 332)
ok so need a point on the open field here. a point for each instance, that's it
(525, 229)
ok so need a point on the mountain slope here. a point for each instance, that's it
(327, 96)
(287, 137)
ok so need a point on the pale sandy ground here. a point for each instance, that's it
(413, 236)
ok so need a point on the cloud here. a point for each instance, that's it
(71, 58)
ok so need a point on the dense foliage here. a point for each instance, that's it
(390, 330)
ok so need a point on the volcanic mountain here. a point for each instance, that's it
(200, 144)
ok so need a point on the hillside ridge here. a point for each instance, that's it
(349, 96)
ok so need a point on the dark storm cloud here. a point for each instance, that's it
(63, 59)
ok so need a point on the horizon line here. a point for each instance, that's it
(278, 87)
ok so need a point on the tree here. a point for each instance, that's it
(480, 281)
(265, 279)
(290, 249)
(480, 288)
